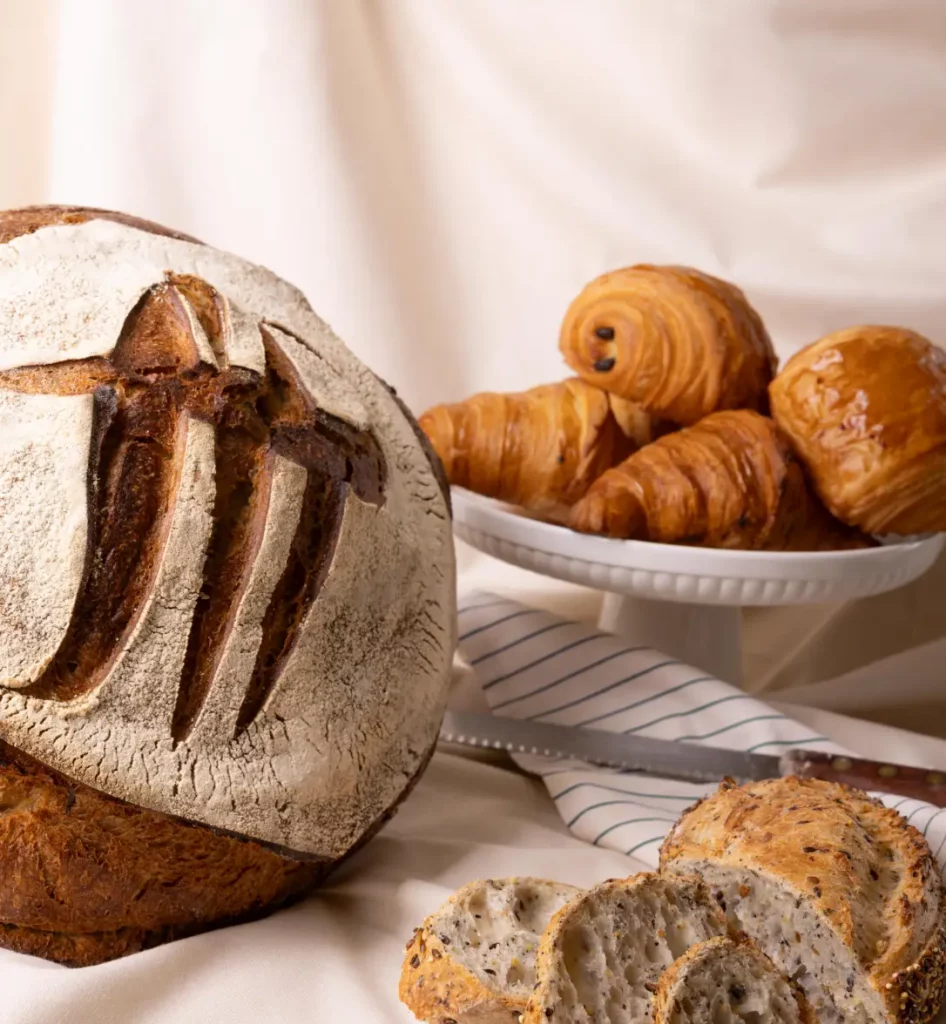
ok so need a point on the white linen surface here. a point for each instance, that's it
(336, 958)
(441, 178)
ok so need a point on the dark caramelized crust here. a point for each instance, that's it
(139, 452)
(309, 559)
(333, 453)
(207, 305)
(242, 503)
(88, 878)
(25, 221)
(81, 862)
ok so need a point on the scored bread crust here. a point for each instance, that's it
(436, 986)
(724, 953)
(354, 700)
(867, 872)
(592, 911)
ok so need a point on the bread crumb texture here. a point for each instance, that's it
(841, 892)
(604, 953)
(725, 982)
(473, 960)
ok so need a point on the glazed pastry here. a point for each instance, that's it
(866, 411)
(730, 481)
(679, 343)
(541, 449)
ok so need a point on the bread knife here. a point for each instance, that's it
(687, 762)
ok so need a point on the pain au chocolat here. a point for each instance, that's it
(226, 589)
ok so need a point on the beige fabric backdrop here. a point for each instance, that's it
(442, 177)
(27, 54)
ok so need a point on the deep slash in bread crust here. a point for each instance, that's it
(91, 874)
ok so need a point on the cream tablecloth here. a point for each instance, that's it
(336, 958)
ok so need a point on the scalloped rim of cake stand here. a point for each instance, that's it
(668, 572)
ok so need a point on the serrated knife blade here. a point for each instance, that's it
(686, 762)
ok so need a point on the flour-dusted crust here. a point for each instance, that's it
(863, 877)
(330, 391)
(66, 290)
(473, 960)
(351, 707)
(156, 646)
(244, 343)
(44, 455)
(217, 719)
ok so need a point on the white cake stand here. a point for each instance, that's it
(704, 587)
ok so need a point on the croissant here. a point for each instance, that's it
(866, 411)
(541, 449)
(730, 481)
(679, 343)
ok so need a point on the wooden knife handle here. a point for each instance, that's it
(927, 784)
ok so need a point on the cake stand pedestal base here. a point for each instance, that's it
(708, 637)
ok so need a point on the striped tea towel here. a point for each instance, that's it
(536, 666)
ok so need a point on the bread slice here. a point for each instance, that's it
(726, 982)
(473, 961)
(603, 954)
(842, 893)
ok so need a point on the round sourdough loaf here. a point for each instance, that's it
(226, 585)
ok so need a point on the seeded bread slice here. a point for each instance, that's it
(473, 961)
(726, 982)
(841, 892)
(603, 953)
